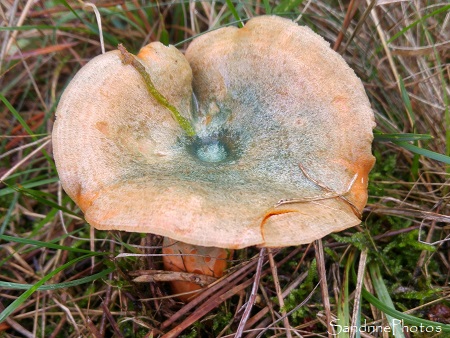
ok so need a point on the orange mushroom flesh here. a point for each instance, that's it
(281, 152)
(200, 260)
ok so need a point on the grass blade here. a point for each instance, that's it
(406, 137)
(425, 152)
(235, 13)
(10, 189)
(343, 311)
(36, 196)
(383, 294)
(415, 23)
(18, 286)
(17, 116)
(287, 6)
(267, 7)
(403, 317)
(22, 298)
(48, 245)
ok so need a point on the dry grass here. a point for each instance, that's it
(399, 49)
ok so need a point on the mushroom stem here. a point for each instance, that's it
(183, 257)
(130, 59)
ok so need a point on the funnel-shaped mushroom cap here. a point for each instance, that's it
(278, 116)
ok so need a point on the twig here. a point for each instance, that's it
(258, 316)
(359, 284)
(323, 283)
(95, 333)
(295, 283)
(428, 241)
(253, 294)
(222, 290)
(329, 195)
(19, 328)
(148, 276)
(205, 308)
(24, 146)
(351, 10)
(112, 321)
(378, 26)
(280, 297)
(13, 38)
(106, 302)
(69, 315)
(292, 311)
(16, 326)
(407, 212)
(59, 327)
(99, 23)
(18, 164)
(359, 24)
(216, 289)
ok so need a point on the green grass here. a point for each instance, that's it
(60, 279)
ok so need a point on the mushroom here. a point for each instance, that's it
(281, 151)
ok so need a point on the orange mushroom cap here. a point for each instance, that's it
(278, 116)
